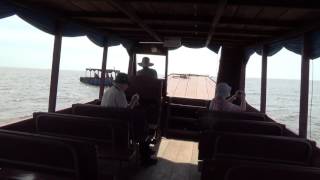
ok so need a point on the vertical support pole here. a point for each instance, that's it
(164, 92)
(130, 68)
(304, 87)
(55, 69)
(242, 77)
(103, 70)
(220, 66)
(134, 64)
(264, 68)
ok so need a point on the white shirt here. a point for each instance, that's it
(219, 104)
(114, 97)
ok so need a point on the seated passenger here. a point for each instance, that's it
(221, 102)
(116, 97)
(146, 71)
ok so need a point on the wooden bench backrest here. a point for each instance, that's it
(48, 155)
(278, 149)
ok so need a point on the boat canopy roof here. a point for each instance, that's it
(192, 23)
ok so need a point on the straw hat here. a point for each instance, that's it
(145, 62)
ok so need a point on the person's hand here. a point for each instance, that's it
(232, 98)
(135, 97)
(241, 94)
(134, 101)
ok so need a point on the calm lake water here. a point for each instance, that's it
(283, 98)
(24, 91)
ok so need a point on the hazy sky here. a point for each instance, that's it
(22, 45)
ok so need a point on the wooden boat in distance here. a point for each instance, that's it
(93, 76)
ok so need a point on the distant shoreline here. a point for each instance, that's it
(76, 70)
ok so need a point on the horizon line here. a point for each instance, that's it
(39, 68)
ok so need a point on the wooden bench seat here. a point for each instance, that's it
(267, 172)
(235, 169)
(23, 154)
(208, 137)
(277, 149)
(110, 136)
(181, 116)
(206, 116)
(135, 118)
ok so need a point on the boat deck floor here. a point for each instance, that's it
(191, 86)
(177, 160)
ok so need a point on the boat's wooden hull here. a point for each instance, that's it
(95, 81)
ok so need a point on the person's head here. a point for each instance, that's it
(122, 81)
(223, 90)
(145, 63)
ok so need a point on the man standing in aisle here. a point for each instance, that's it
(146, 71)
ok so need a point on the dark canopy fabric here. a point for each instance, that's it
(46, 21)
(213, 47)
(294, 45)
(315, 45)
(6, 10)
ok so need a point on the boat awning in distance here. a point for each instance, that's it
(107, 70)
(197, 23)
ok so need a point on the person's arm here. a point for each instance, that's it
(155, 74)
(232, 98)
(243, 104)
(211, 105)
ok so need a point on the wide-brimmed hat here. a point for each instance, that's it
(145, 62)
(122, 78)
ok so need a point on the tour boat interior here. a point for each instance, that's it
(91, 142)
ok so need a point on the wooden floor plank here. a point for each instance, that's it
(202, 91)
(191, 86)
(163, 145)
(185, 152)
(182, 164)
(175, 162)
(172, 150)
(166, 164)
(194, 173)
(211, 86)
(195, 152)
(181, 88)
(172, 85)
